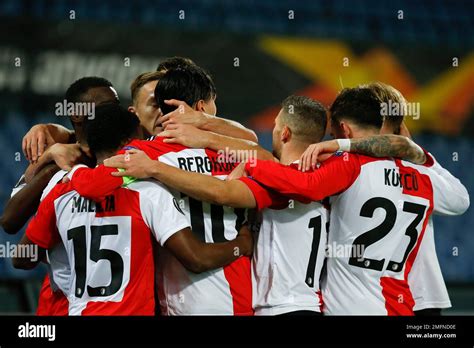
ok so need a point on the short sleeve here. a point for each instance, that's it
(52, 183)
(160, 210)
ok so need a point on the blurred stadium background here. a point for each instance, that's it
(257, 55)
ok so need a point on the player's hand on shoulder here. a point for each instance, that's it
(36, 141)
(184, 114)
(317, 153)
(186, 135)
(134, 163)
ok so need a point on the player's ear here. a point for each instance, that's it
(131, 108)
(346, 130)
(201, 106)
(285, 134)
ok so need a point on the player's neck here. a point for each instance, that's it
(101, 157)
(80, 134)
(363, 133)
(292, 152)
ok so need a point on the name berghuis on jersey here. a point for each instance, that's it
(408, 181)
(203, 165)
(83, 205)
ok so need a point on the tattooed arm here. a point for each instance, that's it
(375, 146)
(389, 146)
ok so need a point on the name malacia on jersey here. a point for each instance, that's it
(84, 205)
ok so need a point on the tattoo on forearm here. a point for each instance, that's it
(389, 146)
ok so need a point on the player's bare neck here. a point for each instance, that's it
(360, 132)
(102, 156)
(80, 134)
(142, 133)
(291, 154)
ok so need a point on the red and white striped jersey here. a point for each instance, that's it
(289, 253)
(108, 244)
(379, 212)
(223, 291)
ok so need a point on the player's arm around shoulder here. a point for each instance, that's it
(389, 145)
(199, 186)
(334, 176)
(184, 114)
(22, 205)
(163, 215)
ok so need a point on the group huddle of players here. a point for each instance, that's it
(177, 224)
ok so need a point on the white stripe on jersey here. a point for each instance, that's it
(58, 268)
(282, 271)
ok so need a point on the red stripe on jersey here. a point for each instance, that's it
(397, 294)
(219, 164)
(238, 275)
(51, 302)
(425, 190)
(321, 302)
(398, 297)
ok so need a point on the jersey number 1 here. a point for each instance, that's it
(315, 224)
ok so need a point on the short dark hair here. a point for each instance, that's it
(360, 105)
(142, 80)
(189, 84)
(79, 88)
(174, 62)
(112, 126)
(306, 118)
